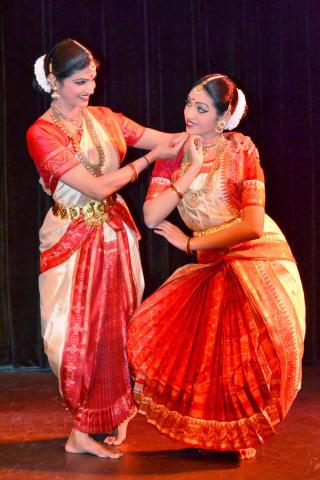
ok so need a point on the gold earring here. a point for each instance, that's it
(54, 93)
(52, 80)
(220, 126)
(53, 85)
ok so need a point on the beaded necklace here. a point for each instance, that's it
(192, 196)
(93, 168)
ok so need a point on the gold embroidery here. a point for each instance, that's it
(253, 193)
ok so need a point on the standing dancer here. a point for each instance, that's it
(91, 279)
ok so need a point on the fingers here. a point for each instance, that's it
(196, 140)
(251, 147)
(240, 146)
(165, 226)
(196, 143)
(166, 229)
(162, 233)
(172, 234)
(195, 149)
(245, 144)
(165, 223)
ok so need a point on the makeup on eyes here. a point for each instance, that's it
(202, 105)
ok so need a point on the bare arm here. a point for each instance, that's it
(160, 207)
(152, 138)
(101, 187)
(249, 228)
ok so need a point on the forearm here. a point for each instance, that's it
(152, 138)
(101, 187)
(249, 228)
(114, 181)
(160, 207)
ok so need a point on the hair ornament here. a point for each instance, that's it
(92, 64)
(40, 74)
(238, 112)
(199, 88)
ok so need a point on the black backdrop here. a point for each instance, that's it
(151, 52)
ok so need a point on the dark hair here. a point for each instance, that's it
(221, 90)
(66, 58)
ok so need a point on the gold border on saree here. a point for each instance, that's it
(216, 228)
(95, 213)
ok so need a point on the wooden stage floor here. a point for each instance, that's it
(34, 426)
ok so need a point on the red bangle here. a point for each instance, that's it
(135, 173)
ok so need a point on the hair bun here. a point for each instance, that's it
(40, 74)
(238, 113)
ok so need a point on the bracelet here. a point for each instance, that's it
(188, 246)
(175, 189)
(147, 159)
(135, 172)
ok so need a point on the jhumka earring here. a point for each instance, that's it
(220, 126)
(52, 82)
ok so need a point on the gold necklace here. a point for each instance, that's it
(76, 121)
(192, 196)
(207, 147)
(94, 168)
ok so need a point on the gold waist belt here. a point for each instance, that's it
(216, 228)
(95, 213)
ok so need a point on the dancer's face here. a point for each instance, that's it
(200, 115)
(75, 90)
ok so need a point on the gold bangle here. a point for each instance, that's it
(147, 159)
(135, 172)
(175, 189)
(188, 246)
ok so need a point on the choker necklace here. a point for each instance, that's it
(207, 147)
(94, 168)
(76, 121)
(192, 197)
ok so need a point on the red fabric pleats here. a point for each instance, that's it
(94, 375)
(211, 370)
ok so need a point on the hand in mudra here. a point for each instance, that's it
(196, 152)
(173, 234)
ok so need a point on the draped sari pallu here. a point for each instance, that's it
(98, 398)
(235, 369)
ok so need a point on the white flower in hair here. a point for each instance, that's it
(40, 74)
(238, 112)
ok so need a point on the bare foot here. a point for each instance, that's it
(110, 440)
(80, 442)
(122, 431)
(247, 453)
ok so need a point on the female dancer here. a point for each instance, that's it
(91, 279)
(217, 349)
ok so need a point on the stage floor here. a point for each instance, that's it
(34, 426)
